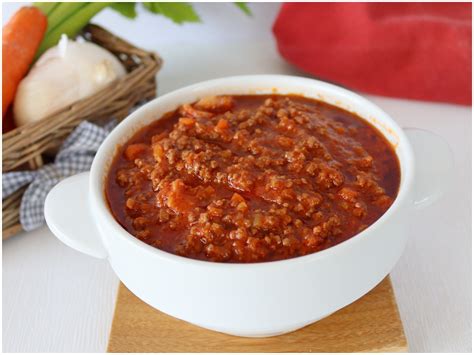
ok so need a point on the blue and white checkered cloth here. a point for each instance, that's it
(75, 156)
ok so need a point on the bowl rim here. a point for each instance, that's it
(100, 168)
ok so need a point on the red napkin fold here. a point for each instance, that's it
(413, 50)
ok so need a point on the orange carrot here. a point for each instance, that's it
(22, 36)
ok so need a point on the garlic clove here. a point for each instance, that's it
(63, 75)
(44, 92)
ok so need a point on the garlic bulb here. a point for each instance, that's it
(62, 75)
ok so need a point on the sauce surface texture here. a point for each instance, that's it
(252, 179)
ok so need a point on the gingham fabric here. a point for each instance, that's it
(75, 156)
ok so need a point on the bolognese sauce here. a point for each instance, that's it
(252, 178)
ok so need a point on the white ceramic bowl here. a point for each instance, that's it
(261, 299)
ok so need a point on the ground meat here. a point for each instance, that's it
(252, 178)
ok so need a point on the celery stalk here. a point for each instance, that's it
(71, 26)
(46, 7)
(62, 12)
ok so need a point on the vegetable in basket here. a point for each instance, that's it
(21, 38)
(63, 75)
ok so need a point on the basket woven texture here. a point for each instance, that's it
(25, 146)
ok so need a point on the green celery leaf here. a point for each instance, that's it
(62, 12)
(243, 6)
(46, 7)
(178, 12)
(126, 9)
(72, 25)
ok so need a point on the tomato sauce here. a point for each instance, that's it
(252, 178)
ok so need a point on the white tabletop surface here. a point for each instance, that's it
(58, 300)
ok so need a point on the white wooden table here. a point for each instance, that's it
(57, 300)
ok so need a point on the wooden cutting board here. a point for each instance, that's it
(371, 324)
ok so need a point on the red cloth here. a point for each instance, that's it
(412, 50)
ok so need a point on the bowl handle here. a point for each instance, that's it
(434, 166)
(68, 216)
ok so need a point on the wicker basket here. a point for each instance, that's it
(27, 145)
